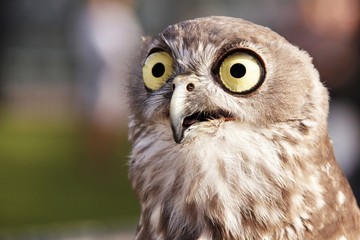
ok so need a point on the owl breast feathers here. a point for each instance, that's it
(228, 127)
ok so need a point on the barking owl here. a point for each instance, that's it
(228, 127)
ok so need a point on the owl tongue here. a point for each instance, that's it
(195, 118)
(189, 121)
(205, 116)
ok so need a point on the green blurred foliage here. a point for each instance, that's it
(47, 175)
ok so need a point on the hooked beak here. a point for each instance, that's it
(178, 107)
(184, 112)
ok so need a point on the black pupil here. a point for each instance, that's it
(158, 70)
(237, 70)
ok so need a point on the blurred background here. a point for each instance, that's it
(63, 117)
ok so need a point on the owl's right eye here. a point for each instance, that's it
(157, 69)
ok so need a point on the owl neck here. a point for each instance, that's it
(241, 187)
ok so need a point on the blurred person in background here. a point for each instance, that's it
(108, 34)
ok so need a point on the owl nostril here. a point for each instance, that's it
(190, 87)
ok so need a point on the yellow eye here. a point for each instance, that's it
(157, 69)
(240, 72)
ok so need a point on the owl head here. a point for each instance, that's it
(199, 74)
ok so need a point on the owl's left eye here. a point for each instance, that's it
(157, 69)
(241, 72)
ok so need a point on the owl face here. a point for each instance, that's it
(198, 75)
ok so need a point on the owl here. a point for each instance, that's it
(228, 127)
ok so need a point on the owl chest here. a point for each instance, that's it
(218, 187)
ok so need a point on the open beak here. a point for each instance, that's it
(184, 112)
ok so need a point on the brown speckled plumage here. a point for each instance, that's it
(258, 165)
